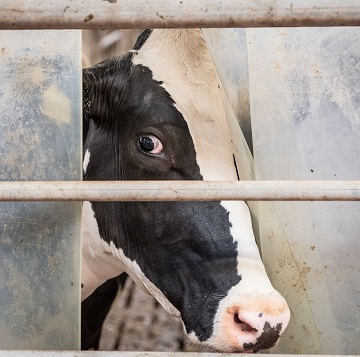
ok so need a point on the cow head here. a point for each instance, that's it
(156, 114)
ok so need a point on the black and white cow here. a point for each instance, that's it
(157, 114)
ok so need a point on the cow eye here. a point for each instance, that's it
(150, 144)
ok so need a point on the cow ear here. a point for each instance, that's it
(142, 39)
(86, 102)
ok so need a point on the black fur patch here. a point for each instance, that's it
(267, 339)
(142, 39)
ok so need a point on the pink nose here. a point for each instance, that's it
(256, 324)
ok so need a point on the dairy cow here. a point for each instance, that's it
(156, 113)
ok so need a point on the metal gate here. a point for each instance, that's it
(272, 58)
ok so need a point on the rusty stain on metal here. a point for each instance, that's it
(161, 16)
(89, 18)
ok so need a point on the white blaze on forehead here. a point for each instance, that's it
(187, 72)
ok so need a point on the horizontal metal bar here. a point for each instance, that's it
(121, 354)
(140, 354)
(77, 14)
(180, 191)
(35, 353)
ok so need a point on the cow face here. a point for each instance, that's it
(156, 114)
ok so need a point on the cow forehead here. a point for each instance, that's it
(186, 71)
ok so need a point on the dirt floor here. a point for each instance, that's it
(137, 322)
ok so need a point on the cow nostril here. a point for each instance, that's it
(243, 325)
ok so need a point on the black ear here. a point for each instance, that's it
(92, 93)
(142, 39)
(105, 87)
(86, 102)
(102, 73)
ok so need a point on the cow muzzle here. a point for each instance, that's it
(253, 323)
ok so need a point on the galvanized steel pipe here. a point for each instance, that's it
(180, 191)
(96, 14)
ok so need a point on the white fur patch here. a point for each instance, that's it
(98, 264)
(241, 229)
(86, 160)
(189, 76)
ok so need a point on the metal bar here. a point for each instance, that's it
(77, 14)
(35, 353)
(180, 191)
